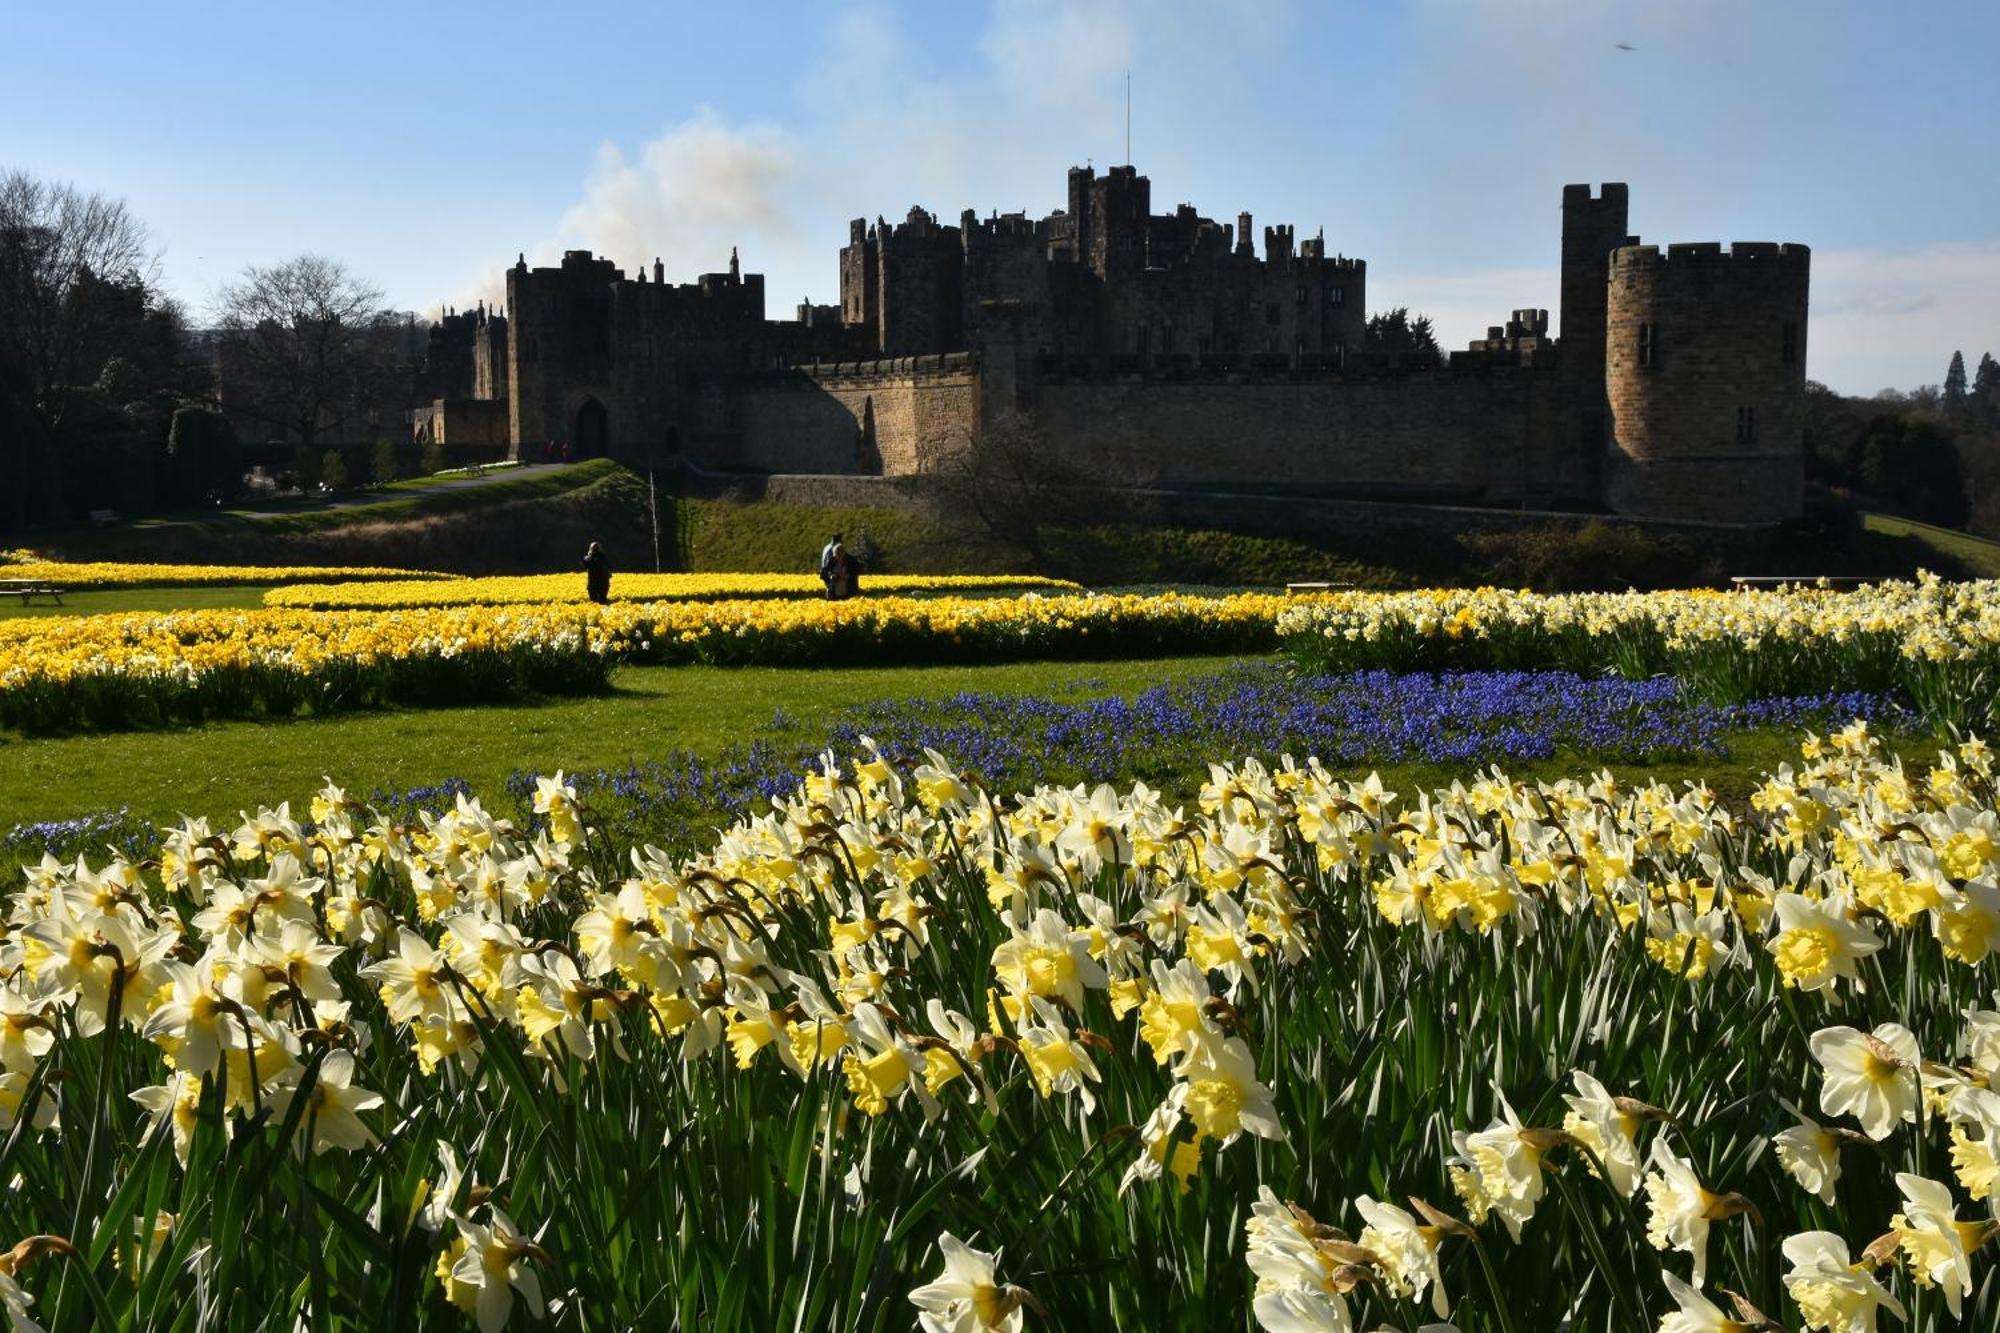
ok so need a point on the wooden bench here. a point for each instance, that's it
(1317, 587)
(1801, 581)
(27, 590)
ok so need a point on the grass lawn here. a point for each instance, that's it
(222, 768)
(95, 601)
(227, 766)
(1979, 555)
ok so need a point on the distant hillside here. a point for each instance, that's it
(1978, 555)
(517, 525)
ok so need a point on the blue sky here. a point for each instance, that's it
(426, 144)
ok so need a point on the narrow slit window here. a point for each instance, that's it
(1746, 425)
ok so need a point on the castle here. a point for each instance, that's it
(1164, 347)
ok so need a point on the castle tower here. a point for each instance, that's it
(860, 289)
(920, 274)
(1592, 228)
(1705, 373)
(1121, 206)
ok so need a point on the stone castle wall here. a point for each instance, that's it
(892, 417)
(1486, 434)
(1480, 434)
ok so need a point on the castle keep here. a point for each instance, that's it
(1164, 349)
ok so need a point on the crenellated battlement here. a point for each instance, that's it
(1712, 254)
(1614, 193)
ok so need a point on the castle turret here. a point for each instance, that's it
(1705, 373)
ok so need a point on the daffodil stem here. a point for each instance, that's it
(1594, 1243)
(1493, 1285)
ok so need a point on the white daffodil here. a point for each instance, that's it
(1405, 1251)
(493, 1269)
(1937, 1245)
(967, 1297)
(1810, 1154)
(1833, 1293)
(1680, 1208)
(1696, 1313)
(1871, 1076)
(1498, 1169)
(1816, 944)
(1610, 1131)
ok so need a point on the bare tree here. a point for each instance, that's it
(1016, 486)
(69, 264)
(304, 345)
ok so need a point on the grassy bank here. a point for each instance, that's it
(720, 535)
(1978, 555)
(225, 767)
(140, 599)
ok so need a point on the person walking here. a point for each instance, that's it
(597, 574)
(828, 556)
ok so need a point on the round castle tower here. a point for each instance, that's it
(1705, 370)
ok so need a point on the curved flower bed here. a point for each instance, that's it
(73, 575)
(528, 588)
(1937, 643)
(95, 672)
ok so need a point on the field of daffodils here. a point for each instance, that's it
(1304, 1053)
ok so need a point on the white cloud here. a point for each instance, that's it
(879, 129)
(1049, 91)
(1883, 320)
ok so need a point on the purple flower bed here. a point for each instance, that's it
(1172, 732)
(1168, 734)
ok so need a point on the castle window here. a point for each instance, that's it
(1746, 425)
(1301, 296)
(1791, 352)
(1649, 344)
(1271, 315)
(1336, 295)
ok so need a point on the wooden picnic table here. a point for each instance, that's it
(29, 589)
(1317, 587)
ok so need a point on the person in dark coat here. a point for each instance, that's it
(597, 574)
(827, 556)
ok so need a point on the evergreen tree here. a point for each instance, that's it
(1986, 388)
(1955, 400)
(1412, 341)
(382, 461)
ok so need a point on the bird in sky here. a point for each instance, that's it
(1622, 46)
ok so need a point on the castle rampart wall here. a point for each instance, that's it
(892, 417)
(1486, 434)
